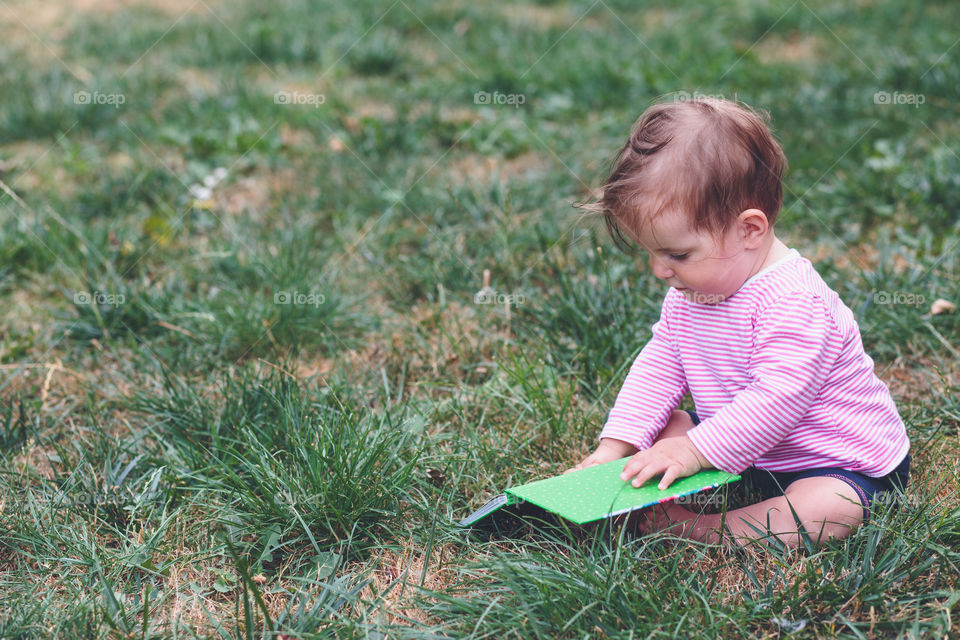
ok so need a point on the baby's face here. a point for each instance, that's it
(705, 268)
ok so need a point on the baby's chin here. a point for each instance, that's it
(700, 297)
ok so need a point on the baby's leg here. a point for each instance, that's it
(826, 508)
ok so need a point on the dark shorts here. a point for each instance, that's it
(770, 484)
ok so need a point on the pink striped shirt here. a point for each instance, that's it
(778, 375)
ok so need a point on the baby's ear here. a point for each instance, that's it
(753, 225)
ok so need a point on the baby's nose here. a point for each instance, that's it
(659, 269)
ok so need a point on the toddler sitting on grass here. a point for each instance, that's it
(784, 393)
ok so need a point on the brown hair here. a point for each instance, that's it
(706, 157)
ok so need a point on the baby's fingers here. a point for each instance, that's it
(640, 469)
(672, 473)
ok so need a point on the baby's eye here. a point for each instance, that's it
(679, 256)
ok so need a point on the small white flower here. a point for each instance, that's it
(219, 173)
(210, 182)
(200, 193)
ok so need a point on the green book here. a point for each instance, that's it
(596, 493)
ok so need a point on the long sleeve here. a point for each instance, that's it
(654, 387)
(796, 344)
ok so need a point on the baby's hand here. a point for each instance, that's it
(609, 449)
(673, 457)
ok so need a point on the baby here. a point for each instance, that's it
(784, 393)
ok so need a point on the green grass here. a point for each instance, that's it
(263, 414)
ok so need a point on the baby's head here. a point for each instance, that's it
(696, 173)
(707, 159)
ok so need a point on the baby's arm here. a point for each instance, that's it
(654, 387)
(795, 348)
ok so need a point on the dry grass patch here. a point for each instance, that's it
(912, 382)
(479, 170)
(395, 582)
(454, 340)
(795, 48)
(39, 28)
(537, 16)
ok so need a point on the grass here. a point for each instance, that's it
(260, 413)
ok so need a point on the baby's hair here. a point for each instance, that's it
(707, 158)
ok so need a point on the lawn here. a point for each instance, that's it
(247, 387)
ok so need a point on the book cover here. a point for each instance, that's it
(594, 493)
